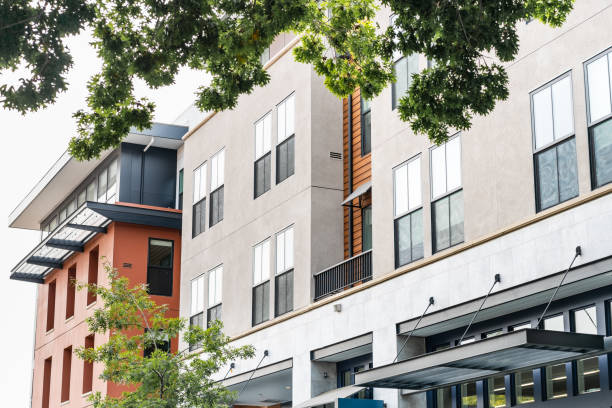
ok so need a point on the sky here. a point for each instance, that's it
(30, 145)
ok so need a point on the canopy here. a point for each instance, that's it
(330, 397)
(359, 191)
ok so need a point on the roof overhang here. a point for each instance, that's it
(268, 385)
(78, 229)
(357, 193)
(344, 350)
(330, 397)
(514, 351)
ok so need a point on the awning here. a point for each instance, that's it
(523, 349)
(358, 192)
(73, 233)
(330, 397)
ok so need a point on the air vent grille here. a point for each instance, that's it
(335, 155)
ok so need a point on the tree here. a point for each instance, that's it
(468, 41)
(137, 356)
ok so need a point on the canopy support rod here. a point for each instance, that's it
(431, 302)
(231, 367)
(265, 354)
(576, 255)
(495, 282)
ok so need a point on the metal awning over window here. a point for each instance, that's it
(358, 192)
(73, 233)
(523, 349)
(330, 397)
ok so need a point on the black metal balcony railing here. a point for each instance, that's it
(343, 275)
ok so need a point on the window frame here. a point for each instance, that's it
(256, 284)
(277, 235)
(363, 139)
(171, 268)
(200, 200)
(217, 191)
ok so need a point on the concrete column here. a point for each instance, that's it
(311, 378)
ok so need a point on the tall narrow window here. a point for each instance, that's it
(92, 275)
(91, 192)
(598, 73)
(70, 292)
(88, 366)
(555, 375)
(556, 175)
(587, 370)
(215, 291)
(111, 189)
(160, 267)
(180, 190)
(366, 228)
(66, 368)
(408, 212)
(102, 184)
(403, 68)
(263, 156)
(265, 56)
(285, 150)
(46, 388)
(366, 127)
(496, 390)
(51, 305)
(217, 175)
(469, 397)
(283, 283)
(197, 305)
(447, 205)
(261, 282)
(199, 200)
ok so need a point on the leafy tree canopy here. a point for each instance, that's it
(467, 40)
(136, 354)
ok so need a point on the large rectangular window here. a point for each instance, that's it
(66, 369)
(283, 283)
(196, 315)
(598, 73)
(496, 391)
(403, 68)
(285, 150)
(92, 275)
(263, 156)
(366, 127)
(469, 397)
(199, 200)
(217, 175)
(46, 388)
(51, 305)
(555, 376)
(88, 366)
(587, 370)
(447, 205)
(261, 283)
(70, 292)
(556, 175)
(160, 267)
(408, 213)
(215, 292)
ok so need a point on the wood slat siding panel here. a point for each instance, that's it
(362, 171)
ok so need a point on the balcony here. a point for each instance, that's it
(345, 274)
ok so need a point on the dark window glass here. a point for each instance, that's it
(199, 218)
(556, 174)
(51, 305)
(213, 314)
(556, 381)
(180, 190)
(496, 388)
(601, 153)
(444, 397)
(587, 370)
(285, 159)
(261, 305)
(366, 225)
(283, 293)
(366, 127)
(448, 221)
(196, 320)
(216, 206)
(409, 238)
(155, 340)
(262, 174)
(159, 270)
(469, 398)
(523, 388)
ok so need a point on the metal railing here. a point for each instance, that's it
(343, 275)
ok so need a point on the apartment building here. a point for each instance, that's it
(122, 209)
(369, 266)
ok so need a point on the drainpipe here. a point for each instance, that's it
(350, 170)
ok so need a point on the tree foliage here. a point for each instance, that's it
(468, 41)
(157, 378)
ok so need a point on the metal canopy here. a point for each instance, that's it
(330, 397)
(358, 192)
(523, 349)
(73, 233)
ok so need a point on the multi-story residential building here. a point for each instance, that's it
(120, 210)
(362, 260)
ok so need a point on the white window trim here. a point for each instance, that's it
(279, 234)
(606, 53)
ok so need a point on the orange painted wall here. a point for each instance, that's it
(123, 243)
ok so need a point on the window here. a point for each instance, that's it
(199, 200)
(265, 56)
(197, 306)
(180, 190)
(102, 180)
(66, 368)
(408, 214)
(556, 175)
(46, 388)
(403, 68)
(92, 275)
(366, 226)
(496, 390)
(262, 167)
(598, 73)
(447, 207)
(70, 292)
(91, 191)
(160, 267)
(469, 398)
(51, 305)
(81, 198)
(524, 389)
(285, 150)
(155, 340)
(215, 291)
(366, 127)
(587, 370)
(555, 376)
(283, 284)
(261, 283)
(217, 170)
(88, 366)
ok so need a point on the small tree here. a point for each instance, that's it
(137, 354)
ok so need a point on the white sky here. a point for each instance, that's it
(30, 145)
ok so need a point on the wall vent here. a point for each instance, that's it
(335, 155)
